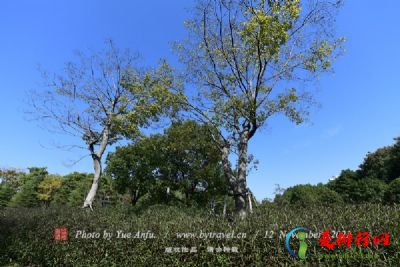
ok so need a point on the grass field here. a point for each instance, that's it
(170, 236)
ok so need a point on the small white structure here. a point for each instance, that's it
(333, 178)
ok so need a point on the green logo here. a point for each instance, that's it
(302, 239)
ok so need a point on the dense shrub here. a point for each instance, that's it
(6, 193)
(370, 190)
(26, 236)
(392, 195)
(306, 195)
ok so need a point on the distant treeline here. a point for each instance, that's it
(179, 167)
(377, 180)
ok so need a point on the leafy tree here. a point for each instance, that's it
(11, 177)
(10, 183)
(182, 160)
(370, 190)
(345, 185)
(192, 160)
(73, 190)
(356, 189)
(374, 180)
(108, 192)
(306, 195)
(133, 167)
(376, 164)
(392, 194)
(383, 164)
(101, 98)
(27, 195)
(48, 187)
(6, 193)
(395, 161)
(246, 59)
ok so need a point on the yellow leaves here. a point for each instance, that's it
(321, 55)
(268, 30)
(285, 99)
(285, 103)
(48, 186)
(326, 65)
(152, 94)
(288, 9)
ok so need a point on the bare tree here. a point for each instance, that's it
(102, 98)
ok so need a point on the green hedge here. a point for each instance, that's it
(26, 236)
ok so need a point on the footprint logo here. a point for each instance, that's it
(302, 239)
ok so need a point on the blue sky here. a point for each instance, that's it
(359, 103)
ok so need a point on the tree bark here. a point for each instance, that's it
(238, 182)
(224, 210)
(134, 197)
(187, 197)
(227, 166)
(241, 187)
(95, 185)
(97, 165)
(249, 199)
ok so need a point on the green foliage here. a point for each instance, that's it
(394, 170)
(179, 159)
(26, 236)
(150, 95)
(243, 58)
(345, 185)
(108, 194)
(6, 193)
(10, 183)
(369, 190)
(190, 157)
(378, 164)
(27, 195)
(77, 195)
(392, 194)
(133, 167)
(11, 177)
(47, 188)
(374, 181)
(382, 164)
(306, 195)
(267, 30)
(104, 97)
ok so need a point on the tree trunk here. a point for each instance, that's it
(249, 198)
(95, 185)
(238, 182)
(224, 210)
(134, 197)
(97, 164)
(241, 187)
(227, 166)
(212, 206)
(187, 197)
